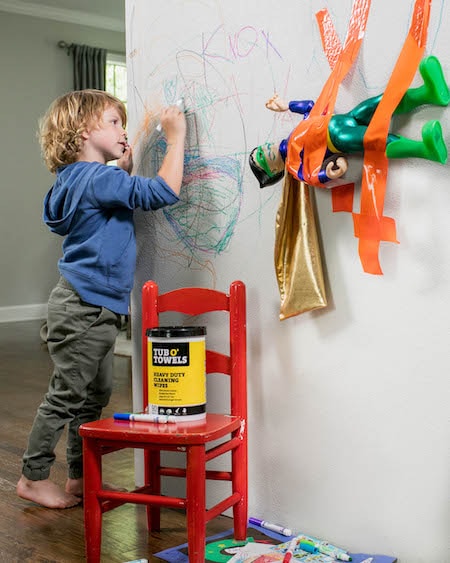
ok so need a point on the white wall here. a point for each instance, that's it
(34, 71)
(348, 427)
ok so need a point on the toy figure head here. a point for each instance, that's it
(267, 164)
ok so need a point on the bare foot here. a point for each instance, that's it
(109, 487)
(46, 493)
(75, 487)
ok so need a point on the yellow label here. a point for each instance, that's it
(176, 373)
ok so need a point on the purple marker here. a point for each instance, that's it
(269, 526)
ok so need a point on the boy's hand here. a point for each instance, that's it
(126, 160)
(173, 121)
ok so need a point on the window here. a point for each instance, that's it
(116, 80)
(116, 76)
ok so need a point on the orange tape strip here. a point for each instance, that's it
(370, 224)
(342, 198)
(374, 228)
(330, 41)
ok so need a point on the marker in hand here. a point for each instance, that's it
(181, 106)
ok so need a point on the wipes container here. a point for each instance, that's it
(176, 371)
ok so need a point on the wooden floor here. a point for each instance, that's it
(29, 533)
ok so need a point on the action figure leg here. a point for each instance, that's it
(434, 90)
(344, 136)
(432, 147)
(363, 112)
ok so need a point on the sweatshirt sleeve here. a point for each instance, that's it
(113, 187)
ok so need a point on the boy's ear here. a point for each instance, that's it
(90, 126)
(85, 134)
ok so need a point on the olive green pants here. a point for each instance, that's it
(81, 341)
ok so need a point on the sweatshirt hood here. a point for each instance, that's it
(61, 202)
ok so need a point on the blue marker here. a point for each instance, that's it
(159, 418)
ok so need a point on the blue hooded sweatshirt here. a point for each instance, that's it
(92, 205)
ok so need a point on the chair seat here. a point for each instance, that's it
(214, 426)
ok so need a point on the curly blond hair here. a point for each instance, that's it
(61, 128)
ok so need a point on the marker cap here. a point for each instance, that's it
(308, 546)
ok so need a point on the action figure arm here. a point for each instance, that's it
(301, 106)
(275, 103)
(333, 168)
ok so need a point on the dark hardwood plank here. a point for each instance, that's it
(34, 534)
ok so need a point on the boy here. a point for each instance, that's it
(92, 205)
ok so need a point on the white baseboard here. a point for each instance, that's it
(23, 313)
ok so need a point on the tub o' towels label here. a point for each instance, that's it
(171, 355)
(177, 379)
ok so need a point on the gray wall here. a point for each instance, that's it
(34, 71)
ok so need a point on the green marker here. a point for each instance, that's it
(331, 551)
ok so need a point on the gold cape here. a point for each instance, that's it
(298, 262)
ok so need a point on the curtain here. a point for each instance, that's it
(89, 67)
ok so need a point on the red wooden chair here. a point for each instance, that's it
(229, 430)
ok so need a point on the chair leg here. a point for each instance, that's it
(240, 520)
(92, 482)
(239, 464)
(196, 503)
(153, 481)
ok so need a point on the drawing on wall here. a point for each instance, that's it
(199, 228)
(316, 152)
(204, 219)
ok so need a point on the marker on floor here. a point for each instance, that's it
(269, 526)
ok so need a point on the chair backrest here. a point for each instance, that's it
(194, 301)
